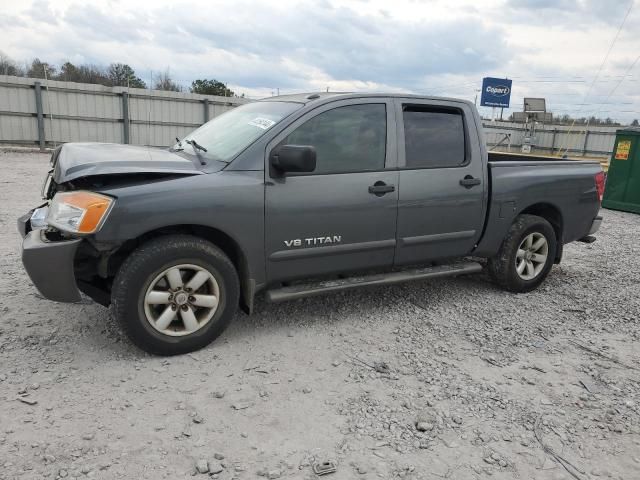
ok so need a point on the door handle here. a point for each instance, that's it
(381, 188)
(468, 181)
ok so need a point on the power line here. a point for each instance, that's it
(604, 60)
(633, 64)
(561, 77)
(606, 57)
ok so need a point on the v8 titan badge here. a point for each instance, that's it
(622, 152)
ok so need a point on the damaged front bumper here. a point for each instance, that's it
(49, 263)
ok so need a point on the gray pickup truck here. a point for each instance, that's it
(295, 196)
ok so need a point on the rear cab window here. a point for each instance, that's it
(434, 137)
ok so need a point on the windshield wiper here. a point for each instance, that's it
(179, 148)
(196, 148)
(196, 145)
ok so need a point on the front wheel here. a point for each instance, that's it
(175, 294)
(526, 255)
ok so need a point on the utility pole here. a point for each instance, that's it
(149, 109)
(46, 79)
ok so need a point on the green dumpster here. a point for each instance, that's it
(622, 191)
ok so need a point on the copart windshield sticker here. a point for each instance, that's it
(262, 123)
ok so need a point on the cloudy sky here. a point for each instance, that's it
(550, 48)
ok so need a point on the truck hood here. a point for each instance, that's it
(76, 160)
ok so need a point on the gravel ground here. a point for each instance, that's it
(448, 379)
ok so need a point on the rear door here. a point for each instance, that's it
(342, 216)
(442, 199)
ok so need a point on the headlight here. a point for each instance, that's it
(39, 217)
(79, 212)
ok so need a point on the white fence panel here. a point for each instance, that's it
(77, 112)
(595, 141)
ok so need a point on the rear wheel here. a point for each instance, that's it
(526, 255)
(175, 294)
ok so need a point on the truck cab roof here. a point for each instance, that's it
(322, 97)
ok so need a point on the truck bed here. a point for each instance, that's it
(527, 158)
(551, 184)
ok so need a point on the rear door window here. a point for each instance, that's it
(434, 137)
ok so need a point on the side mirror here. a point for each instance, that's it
(293, 158)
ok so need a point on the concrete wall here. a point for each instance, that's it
(78, 112)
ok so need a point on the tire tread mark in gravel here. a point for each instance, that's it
(601, 355)
(557, 457)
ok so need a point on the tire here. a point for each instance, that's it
(147, 285)
(503, 268)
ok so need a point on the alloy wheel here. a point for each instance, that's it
(531, 256)
(181, 300)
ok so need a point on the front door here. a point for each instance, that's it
(442, 203)
(342, 216)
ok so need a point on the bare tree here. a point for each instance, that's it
(83, 74)
(37, 68)
(165, 82)
(9, 67)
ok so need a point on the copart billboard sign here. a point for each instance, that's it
(496, 92)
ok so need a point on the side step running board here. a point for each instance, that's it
(588, 239)
(311, 289)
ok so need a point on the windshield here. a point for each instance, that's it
(227, 135)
